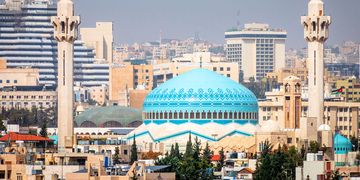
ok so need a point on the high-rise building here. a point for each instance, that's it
(27, 40)
(316, 32)
(257, 49)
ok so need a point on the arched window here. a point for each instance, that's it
(203, 115)
(192, 115)
(314, 25)
(209, 115)
(181, 115)
(220, 115)
(186, 114)
(165, 115)
(170, 115)
(247, 115)
(175, 115)
(235, 115)
(93, 133)
(161, 115)
(153, 115)
(197, 115)
(225, 115)
(230, 115)
(157, 115)
(214, 115)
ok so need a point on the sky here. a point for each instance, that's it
(142, 20)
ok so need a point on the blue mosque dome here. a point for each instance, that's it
(201, 96)
(342, 145)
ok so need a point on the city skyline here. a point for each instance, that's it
(142, 21)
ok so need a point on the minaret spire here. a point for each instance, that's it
(66, 30)
(316, 32)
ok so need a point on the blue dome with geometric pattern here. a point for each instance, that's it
(201, 96)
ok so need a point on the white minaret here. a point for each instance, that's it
(316, 32)
(66, 27)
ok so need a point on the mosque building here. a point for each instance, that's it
(201, 103)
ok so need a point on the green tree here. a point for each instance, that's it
(189, 149)
(177, 151)
(134, 155)
(222, 159)
(207, 154)
(116, 156)
(355, 142)
(43, 131)
(172, 151)
(314, 147)
(264, 165)
(335, 175)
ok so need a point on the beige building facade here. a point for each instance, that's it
(17, 76)
(100, 39)
(291, 112)
(27, 98)
(126, 77)
(100, 94)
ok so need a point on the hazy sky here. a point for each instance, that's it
(142, 20)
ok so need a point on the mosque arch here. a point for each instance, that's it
(165, 115)
(214, 115)
(175, 115)
(181, 115)
(186, 114)
(220, 115)
(170, 115)
(112, 124)
(192, 115)
(208, 115)
(197, 115)
(161, 115)
(225, 115)
(203, 115)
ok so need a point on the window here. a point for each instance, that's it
(7, 81)
(0, 81)
(214, 115)
(228, 69)
(221, 68)
(186, 115)
(214, 69)
(19, 176)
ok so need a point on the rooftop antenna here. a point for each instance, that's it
(160, 40)
(238, 19)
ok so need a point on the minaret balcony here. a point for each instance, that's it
(66, 28)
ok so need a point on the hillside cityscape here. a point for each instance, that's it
(76, 104)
